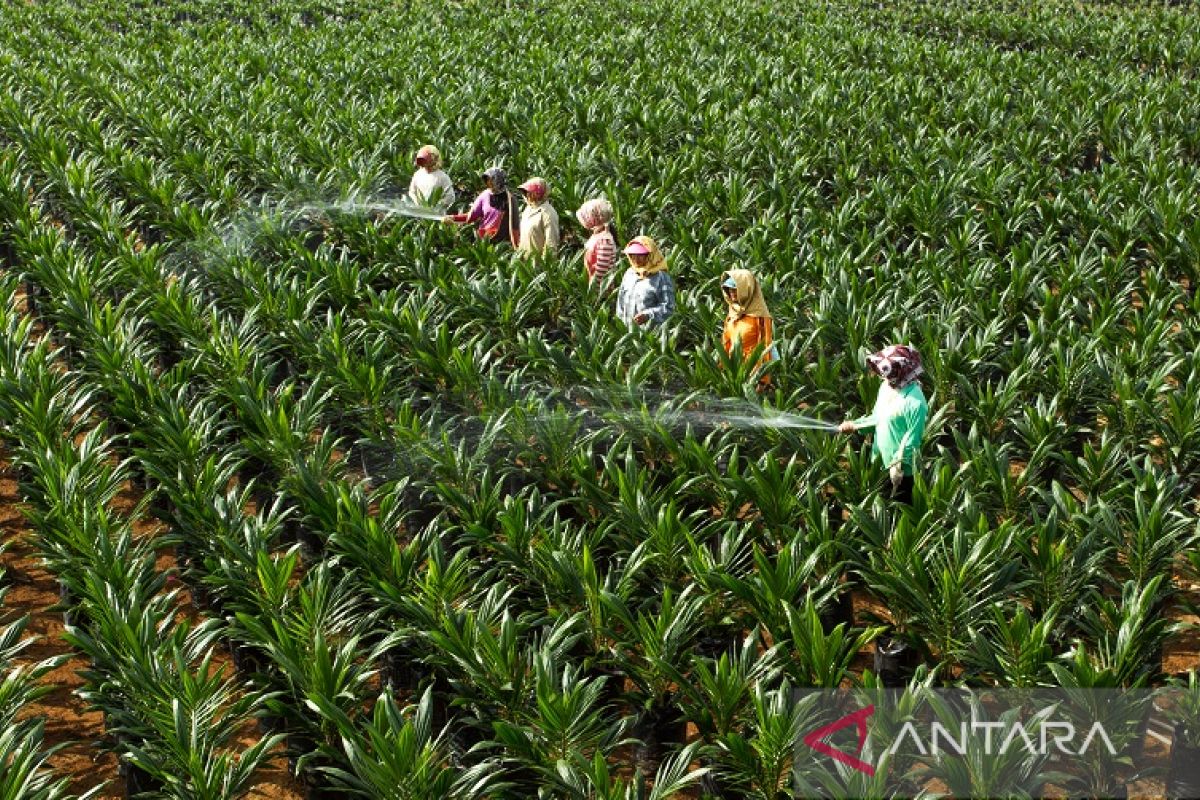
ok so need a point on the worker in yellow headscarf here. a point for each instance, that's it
(748, 322)
(647, 293)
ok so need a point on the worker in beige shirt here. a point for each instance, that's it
(539, 221)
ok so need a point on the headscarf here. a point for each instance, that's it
(595, 213)
(898, 364)
(654, 262)
(431, 156)
(749, 301)
(499, 179)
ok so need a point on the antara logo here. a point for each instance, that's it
(1043, 738)
(816, 739)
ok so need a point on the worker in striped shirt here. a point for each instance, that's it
(600, 251)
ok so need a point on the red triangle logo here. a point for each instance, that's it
(816, 739)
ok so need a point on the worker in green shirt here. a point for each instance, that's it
(899, 416)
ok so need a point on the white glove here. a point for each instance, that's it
(897, 475)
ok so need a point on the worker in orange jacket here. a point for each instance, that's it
(748, 322)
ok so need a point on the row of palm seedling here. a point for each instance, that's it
(176, 456)
(116, 358)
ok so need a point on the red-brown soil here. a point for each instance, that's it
(68, 722)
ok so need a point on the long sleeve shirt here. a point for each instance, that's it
(431, 189)
(539, 230)
(653, 295)
(599, 255)
(493, 220)
(898, 420)
(748, 332)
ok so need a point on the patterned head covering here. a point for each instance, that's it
(654, 263)
(429, 157)
(498, 177)
(595, 213)
(898, 364)
(748, 298)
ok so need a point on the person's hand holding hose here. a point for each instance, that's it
(847, 427)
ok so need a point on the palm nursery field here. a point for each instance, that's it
(329, 491)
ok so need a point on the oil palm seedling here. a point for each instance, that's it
(196, 716)
(1153, 531)
(1067, 556)
(596, 778)
(985, 771)
(773, 491)
(1013, 649)
(236, 569)
(311, 640)
(777, 581)
(23, 750)
(716, 692)
(399, 754)
(757, 761)
(1088, 680)
(488, 668)
(25, 757)
(565, 720)
(937, 584)
(1181, 700)
(1128, 635)
(822, 657)
(651, 646)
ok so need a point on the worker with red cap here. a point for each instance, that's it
(539, 221)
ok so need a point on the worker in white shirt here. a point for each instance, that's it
(539, 221)
(430, 186)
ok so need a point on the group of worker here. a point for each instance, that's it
(646, 296)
